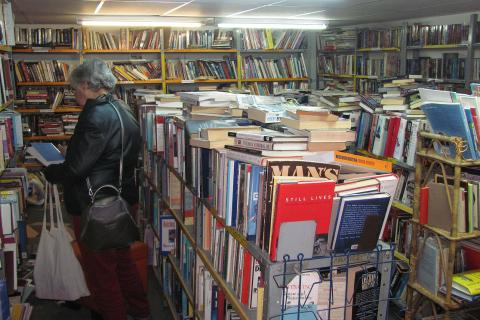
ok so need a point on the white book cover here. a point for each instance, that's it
(412, 145)
(400, 141)
(431, 95)
(380, 135)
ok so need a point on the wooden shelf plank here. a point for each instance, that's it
(51, 50)
(274, 79)
(178, 81)
(446, 234)
(51, 137)
(122, 51)
(150, 81)
(273, 50)
(435, 298)
(377, 49)
(58, 110)
(400, 256)
(438, 46)
(200, 50)
(60, 83)
(183, 283)
(6, 105)
(401, 206)
(5, 48)
(333, 75)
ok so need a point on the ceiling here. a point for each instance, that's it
(335, 12)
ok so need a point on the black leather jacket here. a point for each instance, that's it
(94, 151)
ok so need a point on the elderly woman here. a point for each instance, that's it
(94, 152)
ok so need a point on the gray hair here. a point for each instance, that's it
(95, 73)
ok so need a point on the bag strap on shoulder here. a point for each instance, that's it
(91, 193)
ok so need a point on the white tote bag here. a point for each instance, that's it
(57, 272)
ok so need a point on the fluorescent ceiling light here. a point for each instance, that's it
(139, 23)
(176, 8)
(272, 26)
(100, 5)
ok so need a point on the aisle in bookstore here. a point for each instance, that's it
(296, 159)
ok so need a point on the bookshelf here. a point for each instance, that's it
(451, 238)
(48, 137)
(417, 46)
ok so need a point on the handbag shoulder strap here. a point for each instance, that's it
(122, 128)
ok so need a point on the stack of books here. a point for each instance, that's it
(340, 103)
(69, 122)
(325, 131)
(208, 104)
(69, 98)
(50, 126)
(133, 71)
(38, 98)
(337, 39)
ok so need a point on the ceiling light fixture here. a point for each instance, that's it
(176, 8)
(116, 22)
(100, 5)
(272, 26)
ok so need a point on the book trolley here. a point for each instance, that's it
(427, 160)
(282, 297)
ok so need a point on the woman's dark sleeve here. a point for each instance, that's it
(86, 146)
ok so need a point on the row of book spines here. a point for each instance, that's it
(193, 69)
(292, 67)
(418, 34)
(265, 39)
(41, 71)
(47, 37)
(389, 136)
(379, 38)
(126, 40)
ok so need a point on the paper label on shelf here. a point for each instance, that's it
(188, 81)
(46, 110)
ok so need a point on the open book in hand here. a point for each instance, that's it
(46, 153)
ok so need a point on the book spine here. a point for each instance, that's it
(254, 144)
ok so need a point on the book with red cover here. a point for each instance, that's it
(303, 201)
(423, 219)
(475, 123)
(247, 275)
(393, 127)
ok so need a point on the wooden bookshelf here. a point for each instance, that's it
(51, 137)
(59, 109)
(273, 79)
(176, 268)
(46, 50)
(392, 160)
(340, 51)
(61, 83)
(200, 50)
(378, 49)
(89, 51)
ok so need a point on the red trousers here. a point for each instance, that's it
(114, 281)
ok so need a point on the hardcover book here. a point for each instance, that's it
(290, 168)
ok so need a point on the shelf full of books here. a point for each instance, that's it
(445, 234)
(228, 184)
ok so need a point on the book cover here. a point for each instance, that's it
(290, 168)
(449, 119)
(168, 232)
(46, 153)
(303, 201)
(360, 220)
(363, 293)
(467, 282)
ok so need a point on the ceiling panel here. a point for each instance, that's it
(338, 12)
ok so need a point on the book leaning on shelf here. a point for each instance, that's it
(136, 70)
